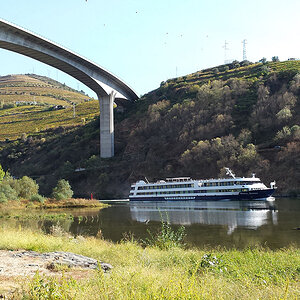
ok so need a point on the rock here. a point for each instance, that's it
(69, 259)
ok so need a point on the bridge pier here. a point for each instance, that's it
(107, 125)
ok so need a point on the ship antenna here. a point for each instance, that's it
(146, 179)
(229, 172)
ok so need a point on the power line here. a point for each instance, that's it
(244, 42)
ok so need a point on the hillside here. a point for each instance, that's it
(243, 116)
(40, 89)
(27, 105)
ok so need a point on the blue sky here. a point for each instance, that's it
(145, 42)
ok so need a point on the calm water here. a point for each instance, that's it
(237, 224)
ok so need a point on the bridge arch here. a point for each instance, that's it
(107, 86)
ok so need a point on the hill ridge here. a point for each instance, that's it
(183, 128)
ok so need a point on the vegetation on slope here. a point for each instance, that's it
(33, 120)
(35, 88)
(243, 116)
(30, 104)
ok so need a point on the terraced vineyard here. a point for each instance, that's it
(223, 72)
(43, 94)
(34, 88)
(33, 119)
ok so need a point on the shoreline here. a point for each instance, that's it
(52, 204)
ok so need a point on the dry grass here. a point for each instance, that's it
(52, 203)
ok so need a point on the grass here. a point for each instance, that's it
(151, 273)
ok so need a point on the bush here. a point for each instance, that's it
(2, 173)
(8, 192)
(215, 70)
(283, 134)
(284, 114)
(37, 198)
(26, 187)
(3, 198)
(62, 190)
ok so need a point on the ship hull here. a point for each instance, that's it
(249, 195)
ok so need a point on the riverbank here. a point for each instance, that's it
(151, 273)
(50, 203)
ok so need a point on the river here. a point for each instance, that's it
(230, 224)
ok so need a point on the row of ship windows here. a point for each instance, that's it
(159, 187)
(229, 183)
(190, 192)
(206, 184)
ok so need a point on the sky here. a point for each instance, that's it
(146, 42)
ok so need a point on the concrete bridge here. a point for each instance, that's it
(108, 87)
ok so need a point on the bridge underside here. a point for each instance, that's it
(107, 86)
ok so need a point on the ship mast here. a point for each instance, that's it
(230, 173)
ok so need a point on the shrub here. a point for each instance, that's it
(37, 198)
(284, 114)
(265, 70)
(3, 198)
(26, 187)
(62, 190)
(2, 173)
(283, 134)
(215, 70)
(8, 191)
(295, 130)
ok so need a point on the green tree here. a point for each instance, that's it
(263, 60)
(283, 134)
(7, 191)
(284, 114)
(25, 187)
(62, 190)
(275, 58)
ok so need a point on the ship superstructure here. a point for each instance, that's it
(185, 188)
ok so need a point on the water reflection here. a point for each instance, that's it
(227, 223)
(246, 214)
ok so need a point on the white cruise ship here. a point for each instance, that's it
(185, 188)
